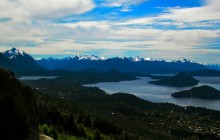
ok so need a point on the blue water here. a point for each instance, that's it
(156, 93)
(36, 77)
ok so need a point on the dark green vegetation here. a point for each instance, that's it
(205, 72)
(129, 116)
(179, 80)
(202, 92)
(18, 109)
(25, 113)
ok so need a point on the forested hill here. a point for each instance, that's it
(18, 109)
(202, 92)
(179, 80)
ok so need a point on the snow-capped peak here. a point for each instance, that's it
(151, 59)
(87, 57)
(183, 60)
(13, 53)
(157, 60)
(103, 58)
(134, 59)
(138, 58)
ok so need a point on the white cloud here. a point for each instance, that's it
(204, 16)
(209, 12)
(84, 36)
(125, 4)
(89, 24)
(43, 9)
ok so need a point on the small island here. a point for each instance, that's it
(179, 80)
(202, 92)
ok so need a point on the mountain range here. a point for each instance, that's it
(21, 62)
(126, 64)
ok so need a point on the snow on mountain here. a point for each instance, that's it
(182, 60)
(77, 57)
(133, 59)
(89, 57)
(149, 59)
(14, 53)
(138, 58)
(19, 61)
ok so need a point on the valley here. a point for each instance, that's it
(169, 120)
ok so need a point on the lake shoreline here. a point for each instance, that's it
(160, 94)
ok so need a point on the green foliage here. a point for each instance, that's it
(97, 135)
(18, 109)
(49, 130)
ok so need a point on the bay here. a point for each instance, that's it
(156, 93)
(36, 77)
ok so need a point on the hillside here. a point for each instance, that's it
(18, 109)
(202, 92)
(26, 113)
(179, 80)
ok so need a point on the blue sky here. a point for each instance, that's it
(165, 29)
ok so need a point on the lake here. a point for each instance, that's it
(156, 93)
(36, 77)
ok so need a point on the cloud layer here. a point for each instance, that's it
(124, 4)
(43, 9)
(34, 26)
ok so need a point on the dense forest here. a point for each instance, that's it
(201, 92)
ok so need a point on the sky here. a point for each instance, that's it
(164, 29)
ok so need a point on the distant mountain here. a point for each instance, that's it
(18, 109)
(205, 72)
(202, 92)
(138, 64)
(18, 61)
(21, 62)
(179, 80)
(213, 66)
